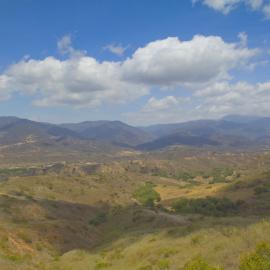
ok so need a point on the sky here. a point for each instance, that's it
(141, 62)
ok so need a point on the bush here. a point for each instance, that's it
(206, 206)
(257, 260)
(199, 264)
(185, 176)
(146, 195)
(220, 175)
(99, 219)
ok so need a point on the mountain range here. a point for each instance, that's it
(232, 131)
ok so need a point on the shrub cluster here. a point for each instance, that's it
(147, 195)
(207, 206)
(99, 219)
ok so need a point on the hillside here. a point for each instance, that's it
(140, 212)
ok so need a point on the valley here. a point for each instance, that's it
(141, 210)
(134, 135)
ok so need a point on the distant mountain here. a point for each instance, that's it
(177, 139)
(15, 130)
(115, 132)
(231, 131)
(99, 136)
(30, 141)
(241, 118)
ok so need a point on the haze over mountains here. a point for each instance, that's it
(231, 131)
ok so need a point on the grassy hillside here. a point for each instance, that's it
(144, 212)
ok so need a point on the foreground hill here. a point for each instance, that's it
(88, 216)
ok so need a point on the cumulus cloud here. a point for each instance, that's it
(82, 80)
(266, 11)
(154, 104)
(203, 65)
(118, 50)
(4, 91)
(224, 98)
(226, 6)
(170, 61)
(215, 101)
(64, 46)
(79, 81)
(169, 109)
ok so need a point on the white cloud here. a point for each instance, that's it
(266, 11)
(64, 46)
(215, 101)
(243, 39)
(170, 62)
(81, 80)
(226, 6)
(165, 103)
(224, 98)
(116, 49)
(76, 81)
(4, 91)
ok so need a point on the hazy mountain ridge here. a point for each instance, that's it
(230, 131)
(14, 130)
(115, 132)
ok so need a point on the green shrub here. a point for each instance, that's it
(199, 264)
(257, 260)
(207, 206)
(99, 219)
(185, 176)
(146, 195)
(220, 175)
(14, 171)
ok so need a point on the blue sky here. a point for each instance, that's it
(142, 62)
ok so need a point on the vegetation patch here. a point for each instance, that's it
(209, 206)
(199, 263)
(99, 219)
(258, 259)
(147, 195)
